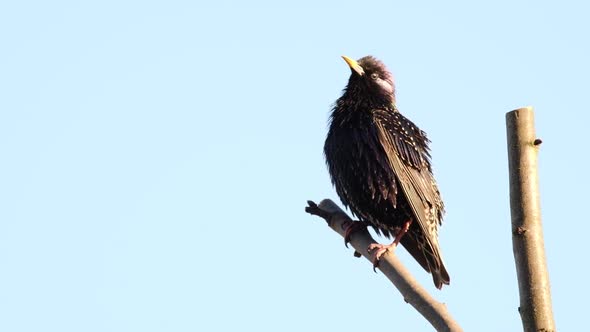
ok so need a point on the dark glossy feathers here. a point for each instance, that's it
(379, 163)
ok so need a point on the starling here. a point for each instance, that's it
(379, 163)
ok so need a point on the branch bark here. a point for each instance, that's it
(527, 232)
(413, 293)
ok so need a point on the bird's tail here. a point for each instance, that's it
(440, 275)
(429, 256)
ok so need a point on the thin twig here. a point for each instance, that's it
(413, 293)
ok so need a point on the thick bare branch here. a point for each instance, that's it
(527, 232)
(435, 312)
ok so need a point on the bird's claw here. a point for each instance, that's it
(375, 265)
(380, 250)
(349, 229)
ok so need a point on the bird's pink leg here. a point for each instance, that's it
(382, 248)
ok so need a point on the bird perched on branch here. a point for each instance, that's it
(379, 163)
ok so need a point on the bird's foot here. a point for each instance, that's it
(380, 250)
(350, 228)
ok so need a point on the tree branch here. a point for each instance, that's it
(435, 312)
(527, 232)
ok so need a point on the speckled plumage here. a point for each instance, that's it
(379, 163)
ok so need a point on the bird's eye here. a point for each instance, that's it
(374, 76)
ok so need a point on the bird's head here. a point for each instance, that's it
(370, 79)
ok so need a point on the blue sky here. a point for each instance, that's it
(157, 157)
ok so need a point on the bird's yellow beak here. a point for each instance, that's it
(354, 65)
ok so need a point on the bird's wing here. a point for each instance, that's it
(406, 147)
